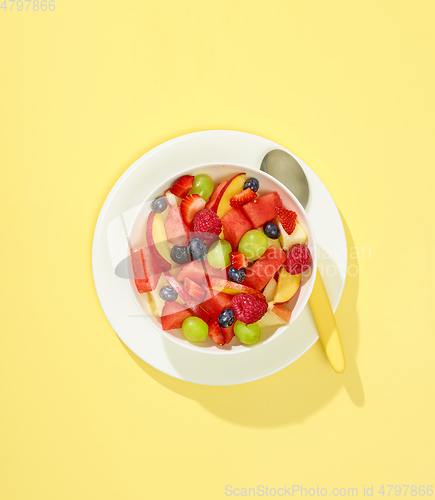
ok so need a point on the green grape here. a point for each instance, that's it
(202, 185)
(247, 334)
(253, 244)
(219, 254)
(195, 329)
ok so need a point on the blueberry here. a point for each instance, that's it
(168, 294)
(271, 230)
(226, 318)
(252, 183)
(236, 275)
(159, 205)
(197, 249)
(180, 255)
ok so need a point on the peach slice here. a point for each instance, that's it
(269, 290)
(282, 311)
(233, 288)
(288, 285)
(159, 237)
(234, 186)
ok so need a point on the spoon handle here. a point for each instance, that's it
(326, 325)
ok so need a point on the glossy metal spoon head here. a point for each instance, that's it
(286, 169)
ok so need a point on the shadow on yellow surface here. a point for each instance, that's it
(295, 393)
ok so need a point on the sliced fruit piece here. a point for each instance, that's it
(234, 186)
(288, 285)
(274, 243)
(228, 333)
(282, 311)
(194, 290)
(154, 299)
(238, 260)
(182, 186)
(271, 319)
(146, 271)
(235, 225)
(232, 288)
(159, 259)
(190, 206)
(153, 305)
(187, 298)
(242, 198)
(215, 333)
(215, 304)
(173, 316)
(215, 197)
(266, 266)
(159, 237)
(194, 271)
(261, 210)
(269, 290)
(172, 199)
(298, 236)
(176, 230)
(287, 218)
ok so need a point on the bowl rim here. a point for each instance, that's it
(255, 172)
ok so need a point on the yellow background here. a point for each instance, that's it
(86, 90)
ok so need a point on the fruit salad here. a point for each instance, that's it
(221, 261)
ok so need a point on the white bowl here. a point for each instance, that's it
(219, 173)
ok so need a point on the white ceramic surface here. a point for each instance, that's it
(115, 219)
(219, 173)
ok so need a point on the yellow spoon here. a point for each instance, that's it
(287, 170)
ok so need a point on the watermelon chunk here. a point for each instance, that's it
(173, 315)
(261, 210)
(176, 230)
(264, 268)
(146, 272)
(194, 290)
(235, 225)
(215, 304)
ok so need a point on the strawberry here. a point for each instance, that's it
(228, 333)
(287, 219)
(190, 206)
(215, 333)
(194, 290)
(182, 186)
(242, 198)
(238, 260)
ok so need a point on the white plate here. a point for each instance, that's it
(113, 225)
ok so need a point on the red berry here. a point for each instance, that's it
(238, 260)
(287, 219)
(242, 198)
(190, 206)
(215, 333)
(207, 221)
(298, 259)
(248, 309)
(182, 186)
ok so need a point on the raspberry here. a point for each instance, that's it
(206, 221)
(298, 259)
(248, 309)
